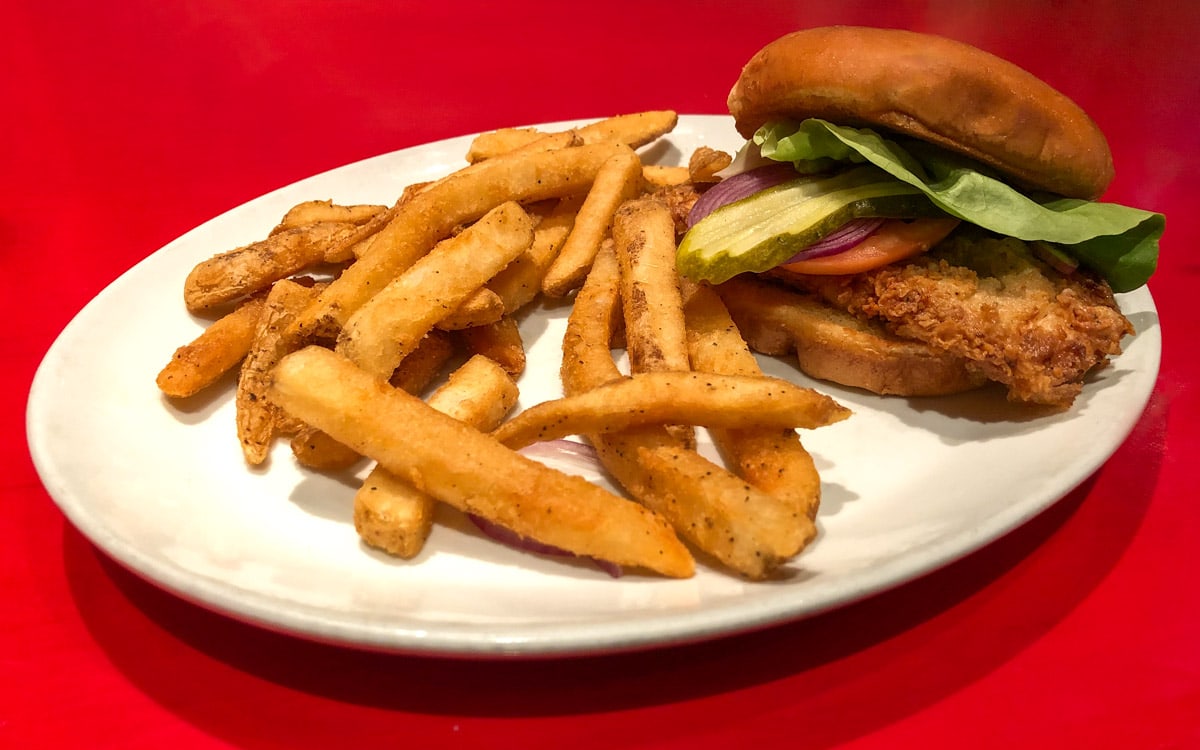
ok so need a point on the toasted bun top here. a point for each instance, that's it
(929, 87)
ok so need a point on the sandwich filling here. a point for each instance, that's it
(845, 174)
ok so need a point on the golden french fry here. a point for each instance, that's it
(360, 243)
(480, 393)
(700, 499)
(394, 516)
(425, 363)
(502, 141)
(657, 175)
(391, 515)
(257, 418)
(410, 191)
(772, 460)
(634, 130)
(501, 342)
(316, 450)
(353, 243)
(704, 399)
(543, 142)
(317, 212)
(254, 267)
(430, 216)
(705, 162)
(393, 322)
(587, 360)
(520, 282)
(617, 181)
(746, 529)
(480, 476)
(655, 333)
(221, 345)
(481, 307)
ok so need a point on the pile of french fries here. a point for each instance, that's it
(343, 316)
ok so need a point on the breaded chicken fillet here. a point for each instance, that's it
(1011, 316)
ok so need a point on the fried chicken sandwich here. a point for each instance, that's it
(926, 216)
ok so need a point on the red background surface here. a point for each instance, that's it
(126, 124)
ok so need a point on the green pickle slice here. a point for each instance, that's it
(763, 230)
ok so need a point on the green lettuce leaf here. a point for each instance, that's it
(1118, 242)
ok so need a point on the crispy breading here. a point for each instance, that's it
(1014, 318)
(679, 199)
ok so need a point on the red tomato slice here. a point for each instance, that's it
(896, 239)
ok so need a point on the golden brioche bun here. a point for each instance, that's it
(932, 88)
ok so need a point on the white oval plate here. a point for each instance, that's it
(909, 484)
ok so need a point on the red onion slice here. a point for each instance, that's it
(510, 538)
(739, 186)
(565, 455)
(568, 450)
(845, 237)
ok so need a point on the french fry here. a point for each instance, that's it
(316, 450)
(634, 130)
(258, 420)
(392, 515)
(480, 393)
(317, 212)
(740, 526)
(390, 326)
(431, 215)
(587, 360)
(481, 307)
(657, 175)
(217, 349)
(349, 246)
(544, 142)
(655, 334)
(707, 399)
(425, 363)
(500, 342)
(744, 528)
(519, 283)
(618, 180)
(360, 243)
(773, 460)
(254, 267)
(411, 190)
(703, 502)
(480, 476)
(502, 141)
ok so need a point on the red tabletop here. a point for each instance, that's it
(126, 124)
